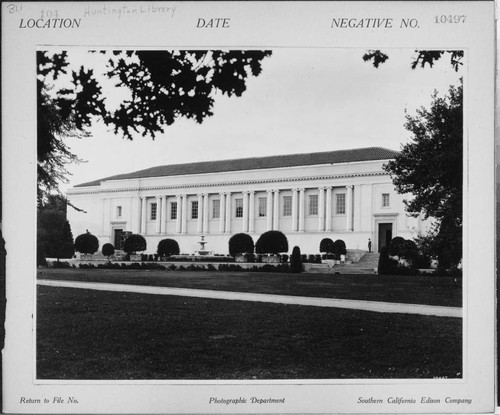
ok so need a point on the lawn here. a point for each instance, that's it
(444, 291)
(86, 334)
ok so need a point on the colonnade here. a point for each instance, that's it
(248, 216)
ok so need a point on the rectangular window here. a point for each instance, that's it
(287, 205)
(340, 205)
(118, 211)
(153, 212)
(173, 210)
(313, 204)
(385, 199)
(238, 203)
(194, 209)
(216, 209)
(262, 207)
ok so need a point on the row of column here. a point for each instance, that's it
(248, 217)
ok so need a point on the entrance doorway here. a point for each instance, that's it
(118, 238)
(384, 235)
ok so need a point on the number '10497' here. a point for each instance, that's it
(448, 18)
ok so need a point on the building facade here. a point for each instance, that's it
(338, 194)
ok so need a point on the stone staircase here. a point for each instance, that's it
(366, 265)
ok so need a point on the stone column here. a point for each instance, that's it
(348, 208)
(228, 212)
(158, 214)
(269, 210)
(302, 208)
(143, 215)
(245, 211)
(294, 210)
(200, 214)
(137, 225)
(251, 212)
(276, 214)
(321, 209)
(178, 222)
(328, 209)
(184, 214)
(205, 213)
(163, 225)
(222, 212)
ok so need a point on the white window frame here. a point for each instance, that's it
(238, 208)
(216, 209)
(262, 208)
(287, 206)
(195, 209)
(153, 211)
(340, 207)
(386, 197)
(313, 205)
(173, 210)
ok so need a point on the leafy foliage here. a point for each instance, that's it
(51, 219)
(86, 243)
(271, 242)
(240, 243)
(421, 58)
(108, 250)
(385, 264)
(339, 248)
(395, 246)
(326, 245)
(163, 86)
(296, 260)
(134, 243)
(430, 170)
(65, 248)
(167, 247)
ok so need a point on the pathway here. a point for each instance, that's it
(380, 307)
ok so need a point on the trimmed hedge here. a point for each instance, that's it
(86, 243)
(168, 247)
(134, 243)
(240, 243)
(271, 242)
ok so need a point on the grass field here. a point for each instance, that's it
(86, 334)
(445, 291)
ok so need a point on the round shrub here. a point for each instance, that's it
(271, 242)
(339, 248)
(108, 250)
(395, 245)
(296, 260)
(326, 245)
(409, 251)
(167, 247)
(240, 243)
(134, 243)
(86, 243)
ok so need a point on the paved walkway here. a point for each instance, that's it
(376, 306)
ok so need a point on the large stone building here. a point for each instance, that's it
(336, 194)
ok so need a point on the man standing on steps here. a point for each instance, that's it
(369, 245)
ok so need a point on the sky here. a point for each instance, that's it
(305, 100)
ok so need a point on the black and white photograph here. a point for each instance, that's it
(319, 218)
(233, 220)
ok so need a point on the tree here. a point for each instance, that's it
(134, 243)
(296, 260)
(240, 243)
(422, 58)
(326, 245)
(108, 250)
(86, 243)
(162, 86)
(51, 218)
(167, 247)
(395, 246)
(271, 242)
(65, 248)
(409, 251)
(429, 169)
(339, 248)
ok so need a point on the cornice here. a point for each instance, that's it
(75, 191)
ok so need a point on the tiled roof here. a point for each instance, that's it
(256, 163)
